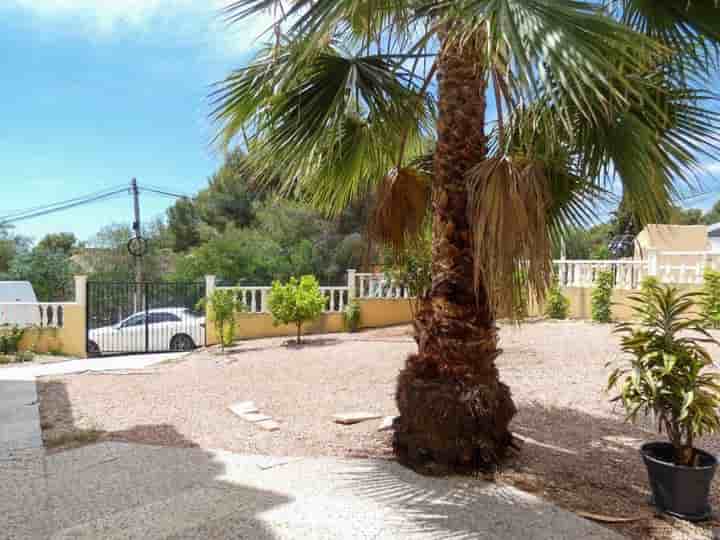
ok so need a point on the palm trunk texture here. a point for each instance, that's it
(454, 411)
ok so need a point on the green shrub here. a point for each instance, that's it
(24, 356)
(224, 305)
(557, 304)
(710, 300)
(296, 302)
(663, 374)
(602, 297)
(10, 337)
(351, 316)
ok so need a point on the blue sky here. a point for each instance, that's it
(95, 93)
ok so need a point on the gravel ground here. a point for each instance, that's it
(577, 451)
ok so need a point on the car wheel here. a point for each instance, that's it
(182, 342)
(92, 348)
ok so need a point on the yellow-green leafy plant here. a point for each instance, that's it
(10, 337)
(296, 302)
(223, 306)
(351, 316)
(710, 301)
(664, 371)
(601, 303)
(557, 304)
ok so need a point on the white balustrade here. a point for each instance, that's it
(40, 314)
(255, 299)
(627, 274)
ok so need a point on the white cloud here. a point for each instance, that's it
(200, 19)
(711, 167)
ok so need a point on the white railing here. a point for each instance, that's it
(680, 267)
(255, 299)
(627, 274)
(42, 314)
(378, 286)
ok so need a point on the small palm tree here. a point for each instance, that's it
(527, 110)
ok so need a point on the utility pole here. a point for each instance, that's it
(137, 230)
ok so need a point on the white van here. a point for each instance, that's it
(18, 304)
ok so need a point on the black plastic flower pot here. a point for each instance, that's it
(679, 490)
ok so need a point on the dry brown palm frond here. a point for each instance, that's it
(402, 204)
(508, 206)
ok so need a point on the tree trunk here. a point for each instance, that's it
(454, 411)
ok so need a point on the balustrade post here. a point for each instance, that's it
(351, 284)
(81, 290)
(653, 262)
(210, 285)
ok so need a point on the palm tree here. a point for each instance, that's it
(533, 110)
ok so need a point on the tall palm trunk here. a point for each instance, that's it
(454, 411)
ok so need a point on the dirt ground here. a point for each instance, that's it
(576, 449)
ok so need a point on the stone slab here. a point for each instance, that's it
(355, 417)
(255, 417)
(243, 407)
(268, 425)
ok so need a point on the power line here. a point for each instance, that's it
(98, 196)
(48, 206)
(60, 207)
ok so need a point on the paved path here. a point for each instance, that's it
(19, 414)
(117, 490)
(106, 363)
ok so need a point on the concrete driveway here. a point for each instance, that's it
(117, 490)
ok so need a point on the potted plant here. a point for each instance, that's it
(664, 377)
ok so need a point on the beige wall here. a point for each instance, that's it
(581, 302)
(673, 238)
(374, 313)
(70, 339)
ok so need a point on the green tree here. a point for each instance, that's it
(296, 302)
(183, 225)
(106, 257)
(229, 198)
(223, 308)
(50, 272)
(58, 242)
(584, 94)
(713, 215)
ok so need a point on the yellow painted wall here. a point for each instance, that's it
(581, 302)
(374, 313)
(70, 339)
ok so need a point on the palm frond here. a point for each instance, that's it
(402, 207)
(509, 204)
(568, 44)
(690, 29)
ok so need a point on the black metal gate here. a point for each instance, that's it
(129, 317)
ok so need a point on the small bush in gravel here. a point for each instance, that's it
(351, 316)
(10, 337)
(602, 297)
(557, 305)
(223, 306)
(296, 302)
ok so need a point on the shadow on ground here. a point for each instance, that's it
(105, 489)
(589, 463)
(462, 508)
